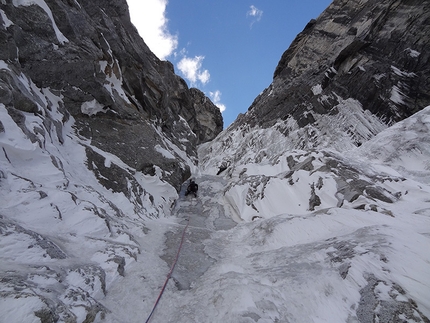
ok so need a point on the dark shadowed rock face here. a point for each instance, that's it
(209, 122)
(121, 95)
(375, 52)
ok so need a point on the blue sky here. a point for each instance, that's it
(227, 49)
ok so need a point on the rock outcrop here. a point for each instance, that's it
(96, 137)
(208, 116)
(122, 97)
(375, 53)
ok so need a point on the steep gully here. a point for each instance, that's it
(232, 273)
(205, 215)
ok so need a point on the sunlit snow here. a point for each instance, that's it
(325, 225)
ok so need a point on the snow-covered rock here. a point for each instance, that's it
(318, 213)
(356, 254)
(96, 137)
(65, 237)
(360, 256)
(375, 52)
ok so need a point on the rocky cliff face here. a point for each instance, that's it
(208, 117)
(97, 135)
(123, 99)
(374, 53)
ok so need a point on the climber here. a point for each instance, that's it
(192, 188)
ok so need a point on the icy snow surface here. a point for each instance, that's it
(366, 259)
(64, 238)
(282, 230)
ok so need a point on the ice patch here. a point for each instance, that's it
(397, 95)
(92, 107)
(4, 66)
(402, 73)
(7, 23)
(41, 3)
(412, 53)
(164, 152)
(317, 89)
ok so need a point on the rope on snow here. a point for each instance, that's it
(170, 272)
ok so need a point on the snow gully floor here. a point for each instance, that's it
(334, 265)
(205, 215)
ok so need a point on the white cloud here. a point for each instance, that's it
(192, 70)
(255, 13)
(216, 98)
(149, 17)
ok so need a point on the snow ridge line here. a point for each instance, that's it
(170, 272)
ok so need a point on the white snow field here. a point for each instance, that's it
(364, 260)
(324, 233)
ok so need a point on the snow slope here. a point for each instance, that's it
(404, 147)
(284, 233)
(360, 256)
(64, 237)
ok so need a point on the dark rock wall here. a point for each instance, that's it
(373, 51)
(121, 95)
(208, 117)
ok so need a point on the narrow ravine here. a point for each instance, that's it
(332, 263)
(144, 279)
(206, 215)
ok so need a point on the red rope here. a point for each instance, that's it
(170, 272)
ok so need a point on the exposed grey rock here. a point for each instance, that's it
(124, 181)
(121, 264)
(351, 186)
(371, 308)
(344, 269)
(46, 316)
(314, 199)
(92, 55)
(375, 52)
(208, 116)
